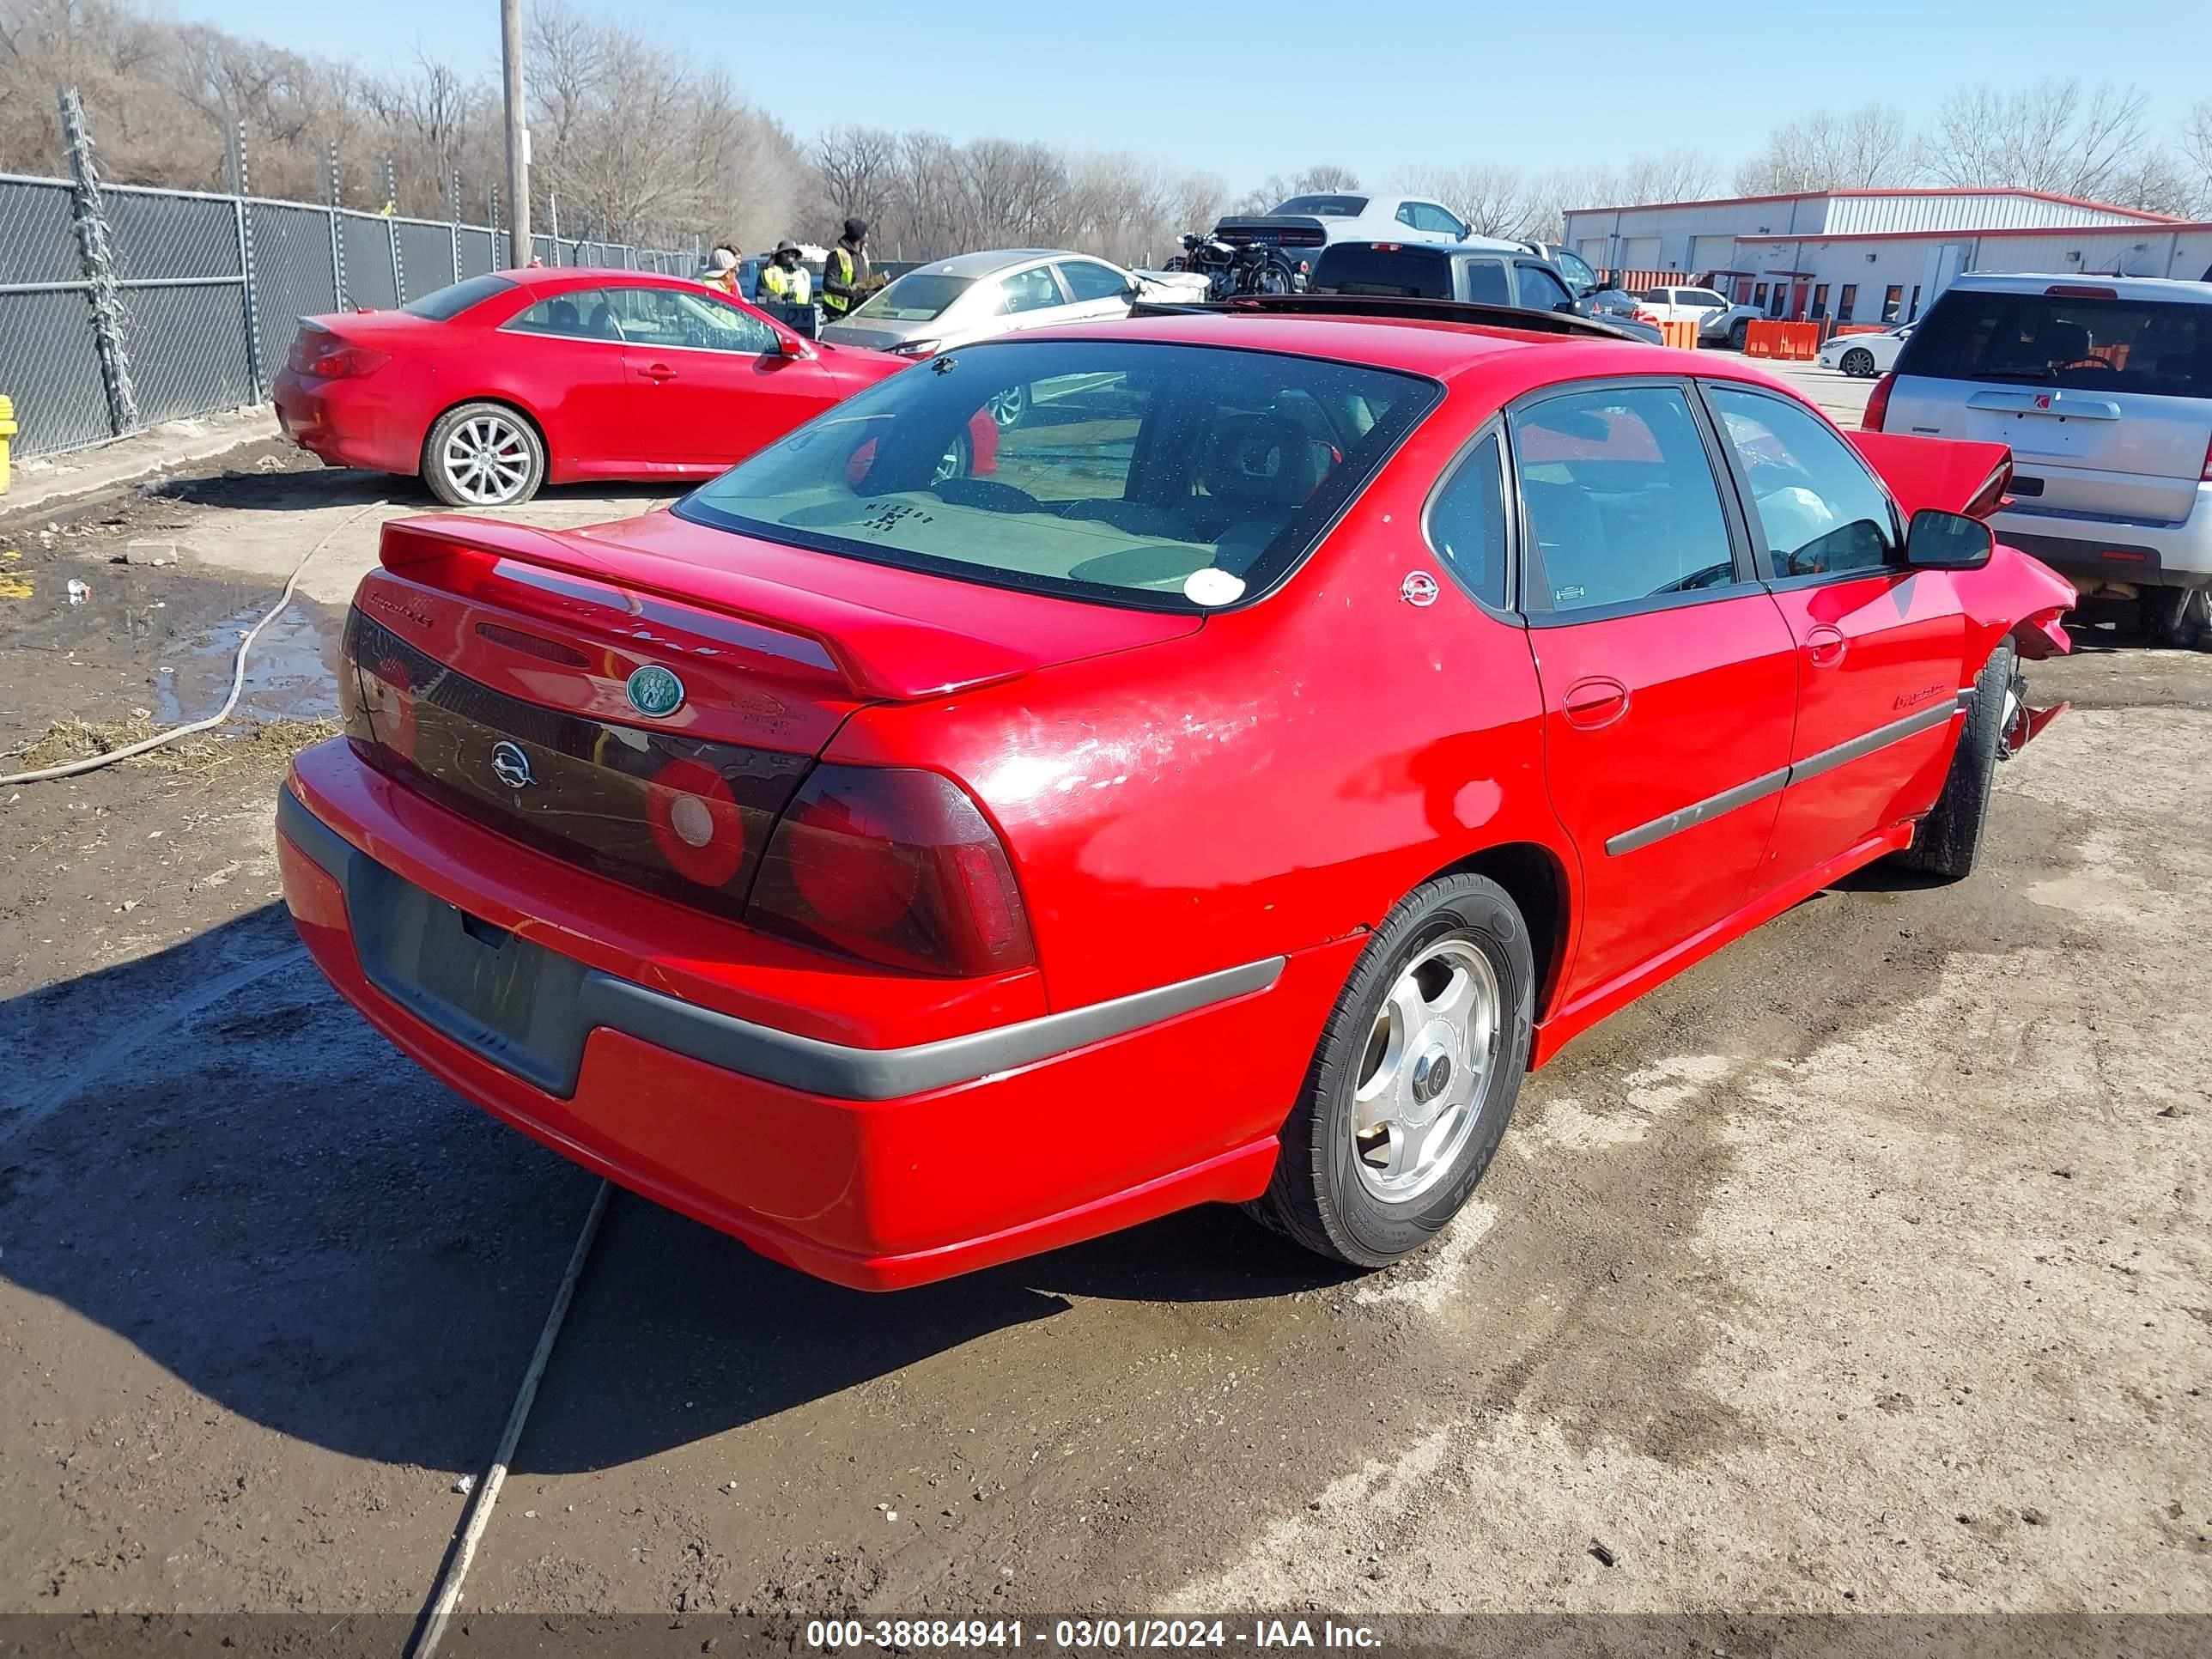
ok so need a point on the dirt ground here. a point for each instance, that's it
(1866, 1268)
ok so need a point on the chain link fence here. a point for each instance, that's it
(191, 301)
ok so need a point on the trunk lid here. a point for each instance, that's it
(645, 698)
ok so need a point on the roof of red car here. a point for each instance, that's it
(1449, 351)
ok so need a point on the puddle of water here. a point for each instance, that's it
(287, 677)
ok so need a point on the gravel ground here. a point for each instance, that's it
(1862, 1268)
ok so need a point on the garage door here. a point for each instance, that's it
(1592, 248)
(1711, 253)
(1640, 253)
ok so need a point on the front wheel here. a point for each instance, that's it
(1858, 363)
(1948, 841)
(1740, 333)
(1414, 1080)
(483, 454)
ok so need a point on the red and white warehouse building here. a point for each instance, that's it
(1878, 256)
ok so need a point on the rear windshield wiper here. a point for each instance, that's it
(2044, 374)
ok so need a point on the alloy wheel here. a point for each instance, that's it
(1859, 361)
(487, 459)
(1427, 1068)
(1008, 407)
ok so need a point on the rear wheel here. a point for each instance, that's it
(1415, 1078)
(1858, 361)
(1008, 407)
(957, 462)
(1948, 841)
(1740, 333)
(483, 454)
(2173, 617)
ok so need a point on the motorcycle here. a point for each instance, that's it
(1230, 271)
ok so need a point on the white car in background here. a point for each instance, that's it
(1866, 355)
(1719, 320)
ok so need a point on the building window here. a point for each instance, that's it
(1893, 301)
(1819, 301)
(1758, 294)
(1913, 315)
(1846, 301)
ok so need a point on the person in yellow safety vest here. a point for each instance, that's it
(783, 280)
(845, 278)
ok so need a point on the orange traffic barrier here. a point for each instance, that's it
(1682, 335)
(1800, 342)
(1760, 338)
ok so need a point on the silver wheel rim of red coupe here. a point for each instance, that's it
(1425, 1071)
(487, 458)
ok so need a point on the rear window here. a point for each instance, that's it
(1325, 207)
(1165, 476)
(919, 296)
(1358, 268)
(443, 305)
(2156, 346)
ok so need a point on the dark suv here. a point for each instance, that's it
(1500, 273)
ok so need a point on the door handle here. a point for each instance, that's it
(1825, 646)
(1592, 703)
(657, 373)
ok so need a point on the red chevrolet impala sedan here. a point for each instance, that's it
(1317, 721)
(500, 384)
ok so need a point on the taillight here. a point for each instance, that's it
(915, 349)
(1877, 409)
(348, 363)
(895, 866)
(2208, 462)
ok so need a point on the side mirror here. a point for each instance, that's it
(1947, 541)
(792, 347)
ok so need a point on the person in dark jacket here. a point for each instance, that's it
(845, 277)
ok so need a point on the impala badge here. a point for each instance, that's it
(511, 766)
(1419, 588)
(653, 691)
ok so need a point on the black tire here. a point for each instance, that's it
(2172, 618)
(1858, 363)
(1740, 333)
(1948, 841)
(1317, 1198)
(515, 463)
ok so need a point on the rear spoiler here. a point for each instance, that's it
(1953, 474)
(1267, 222)
(880, 657)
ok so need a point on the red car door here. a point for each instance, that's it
(1668, 675)
(1881, 649)
(568, 359)
(709, 382)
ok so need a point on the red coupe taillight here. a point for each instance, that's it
(894, 866)
(328, 357)
(2208, 463)
(1877, 409)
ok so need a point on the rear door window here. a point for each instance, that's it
(1819, 511)
(1485, 280)
(1030, 290)
(2076, 342)
(1467, 522)
(1618, 499)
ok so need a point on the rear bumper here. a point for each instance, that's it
(877, 1168)
(2174, 555)
(345, 423)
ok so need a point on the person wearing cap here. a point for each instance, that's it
(722, 271)
(783, 280)
(845, 278)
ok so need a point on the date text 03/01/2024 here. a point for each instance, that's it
(1080, 1635)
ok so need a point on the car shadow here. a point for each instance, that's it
(341, 486)
(270, 1204)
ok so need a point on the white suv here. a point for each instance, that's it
(2102, 386)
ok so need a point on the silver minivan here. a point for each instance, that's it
(2102, 386)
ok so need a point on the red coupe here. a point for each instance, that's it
(499, 384)
(1317, 721)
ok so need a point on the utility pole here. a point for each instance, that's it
(517, 133)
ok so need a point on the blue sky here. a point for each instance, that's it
(1247, 89)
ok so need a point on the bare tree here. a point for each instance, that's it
(1325, 178)
(853, 165)
(1871, 147)
(2060, 136)
(2196, 154)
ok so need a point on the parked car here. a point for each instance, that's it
(1314, 726)
(1581, 281)
(1625, 311)
(1482, 272)
(1864, 356)
(495, 386)
(1719, 320)
(952, 302)
(2103, 388)
(1304, 225)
